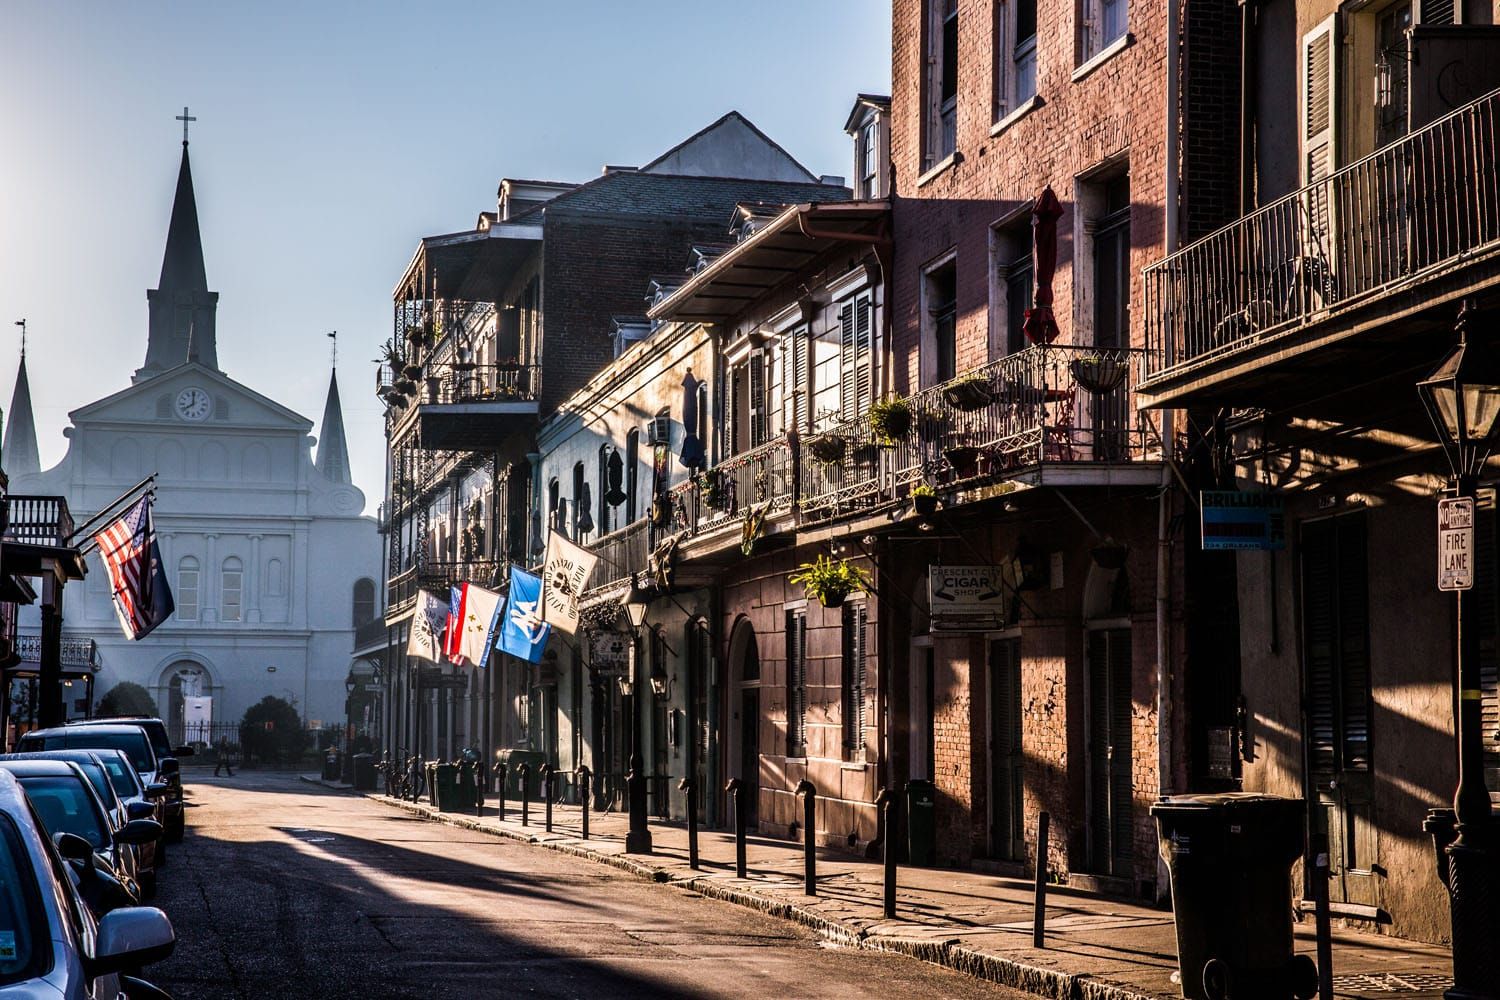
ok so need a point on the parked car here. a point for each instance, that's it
(127, 736)
(118, 811)
(67, 805)
(161, 744)
(54, 947)
(142, 801)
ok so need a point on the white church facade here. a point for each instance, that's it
(271, 560)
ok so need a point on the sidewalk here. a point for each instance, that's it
(980, 924)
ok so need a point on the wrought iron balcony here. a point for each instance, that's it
(621, 553)
(77, 651)
(1300, 273)
(458, 404)
(39, 521)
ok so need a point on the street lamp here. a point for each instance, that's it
(638, 840)
(1462, 396)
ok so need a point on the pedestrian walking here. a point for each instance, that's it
(222, 759)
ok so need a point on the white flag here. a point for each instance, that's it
(564, 575)
(480, 610)
(427, 623)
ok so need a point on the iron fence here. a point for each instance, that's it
(1426, 202)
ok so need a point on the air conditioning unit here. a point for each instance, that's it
(659, 431)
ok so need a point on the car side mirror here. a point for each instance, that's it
(169, 765)
(73, 847)
(138, 831)
(128, 938)
(136, 809)
(184, 751)
(158, 790)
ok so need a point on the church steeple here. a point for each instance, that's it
(20, 456)
(181, 306)
(333, 448)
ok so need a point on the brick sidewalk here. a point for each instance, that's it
(975, 923)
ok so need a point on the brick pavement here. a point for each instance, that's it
(1099, 948)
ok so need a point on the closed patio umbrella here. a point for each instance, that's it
(1041, 326)
(692, 448)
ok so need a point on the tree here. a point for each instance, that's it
(126, 698)
(272, 732)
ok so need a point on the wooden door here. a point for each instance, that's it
(1109, 773)
(1006, 813)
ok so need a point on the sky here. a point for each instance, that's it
(330, 138)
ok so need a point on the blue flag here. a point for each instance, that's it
(523, 634)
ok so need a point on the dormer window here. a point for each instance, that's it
(868, 125)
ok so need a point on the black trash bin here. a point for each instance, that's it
(1230, 858)
(364, 772)
(921, 823)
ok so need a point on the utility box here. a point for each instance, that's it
(921, 823)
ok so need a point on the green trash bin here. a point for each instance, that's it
(465, 789)
(445, 787)
(921, 823)
(1230, 858)
(364, 772)
(513, 759)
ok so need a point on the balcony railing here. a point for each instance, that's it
(1396, 217)
(39, 521)
(437, 575)
(438, 383)
(762, 476)
(620, 553)
(77, 651)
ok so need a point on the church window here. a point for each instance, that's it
(364, 601)
(231, 589)
(187, 589)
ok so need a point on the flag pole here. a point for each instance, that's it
(109, 509)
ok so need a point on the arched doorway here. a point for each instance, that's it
(188, 681)
(744, 761)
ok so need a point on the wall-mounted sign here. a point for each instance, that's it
(967, 598)
(1242, 519)
(609, 652)
(1456, 543)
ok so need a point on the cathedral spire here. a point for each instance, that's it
(333, 448)
(20, 456)
(181, 306)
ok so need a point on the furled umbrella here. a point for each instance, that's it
(692, 448)
(1041, 326)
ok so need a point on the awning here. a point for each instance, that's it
(474, 266)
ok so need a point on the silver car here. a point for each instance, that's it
(51, 948)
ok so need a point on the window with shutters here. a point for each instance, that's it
(796, 386)
(1010, 285)
(632, 471)
(940, 82)
(940, 346)
(854, 664)
(856, 356)
(1110, 778)
(1336, 645)
(1015, 55)
(1101, 23)
(1484, 600)
(796, 683)
(1319, 101)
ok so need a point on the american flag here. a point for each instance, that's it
(143, 599)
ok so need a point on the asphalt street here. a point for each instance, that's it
(282, 890)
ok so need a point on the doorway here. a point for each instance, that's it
(1109, 777)
(1007, 838)
(921, 727)
(744, 654)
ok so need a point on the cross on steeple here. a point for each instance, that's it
(22, 324)
(185, 118)
(334, 349)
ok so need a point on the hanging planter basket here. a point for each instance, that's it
(829, 580)
(969, 395)
(890, 421)
(924, 503)
(405, 386)
(961, 457)
(1099, 374)
(412, 371)
(827, 448)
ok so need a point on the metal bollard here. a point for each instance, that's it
(736, 789)
(585, 792)
(525, 772)
(1039, 920)
(886, 803)
(547, 793)
(809, 793)
(690, 786)
(500, 770)
(479, 789)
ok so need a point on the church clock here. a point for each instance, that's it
(194, 404)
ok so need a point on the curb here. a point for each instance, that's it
(949, 954)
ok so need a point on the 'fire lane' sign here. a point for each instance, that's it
(1456, 543)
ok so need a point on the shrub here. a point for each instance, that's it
(126, 698)
(272, 732)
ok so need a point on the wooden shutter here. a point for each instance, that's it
(759, 401)
(853, 709)
(1319, 79)
(801, 384)
(1437, 11)
(796, 684)
(1111, 785)
(848, 364)
(1336, 645)
(864, 352)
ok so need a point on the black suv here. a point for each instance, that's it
(161, 744)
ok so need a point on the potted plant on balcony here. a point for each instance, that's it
(412, 371)
(890, 421)
(405, 386)
(963, 458)
(972, 392)
(829, 580)
(1099, 373)
(827, 449)
(710, 483)
(924, 499)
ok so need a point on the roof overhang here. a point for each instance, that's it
(472, 265)
(782, 248)
(24, 559)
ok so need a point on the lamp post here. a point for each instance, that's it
(1462, 396)
(638, 839)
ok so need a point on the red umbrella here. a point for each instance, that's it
(1041, 326)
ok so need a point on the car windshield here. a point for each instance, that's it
(134, 744)
(95, 773)
(64, 806)
(21, 931)
(120, 775)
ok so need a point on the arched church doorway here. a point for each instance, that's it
(189, 702)
(744, 761)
